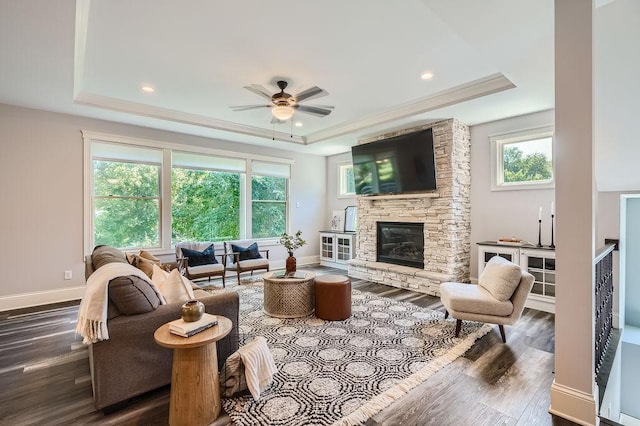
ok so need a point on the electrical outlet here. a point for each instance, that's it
(68, 275)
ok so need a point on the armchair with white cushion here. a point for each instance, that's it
(498, 298)
(245, 256)
(199, 260)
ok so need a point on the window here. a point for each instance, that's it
(145, 194)
(205, 197)
(523, 160)
(126, 196)
(268, 199)
(346, 184)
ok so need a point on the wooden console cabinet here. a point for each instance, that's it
(538, 261)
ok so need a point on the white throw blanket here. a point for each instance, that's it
(92, 315)
(259, 367)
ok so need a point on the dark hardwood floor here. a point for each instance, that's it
(45, 379)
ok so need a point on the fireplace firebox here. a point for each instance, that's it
(400, 243)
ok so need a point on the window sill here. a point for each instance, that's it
(524, 186)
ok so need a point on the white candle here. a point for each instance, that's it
(540, 214)
(552, 208)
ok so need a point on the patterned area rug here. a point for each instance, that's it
(344, 372)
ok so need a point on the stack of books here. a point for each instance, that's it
(187, 329)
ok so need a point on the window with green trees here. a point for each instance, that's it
(524, 160)
(148, 195)
(205, 205)
(346, 183)
(268, 206)
(126, 204)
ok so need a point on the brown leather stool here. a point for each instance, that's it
(333, 297)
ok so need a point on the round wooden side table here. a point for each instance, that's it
(288, 297)
(195, 385)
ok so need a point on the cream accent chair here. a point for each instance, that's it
(498, 298)
(233, 262)
(200, 271)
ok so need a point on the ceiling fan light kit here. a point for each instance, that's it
(283, 112)
(283, 105)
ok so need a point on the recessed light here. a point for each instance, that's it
(147, 88)
(427, 75)
(298, 124)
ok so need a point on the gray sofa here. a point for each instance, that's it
(131, 363)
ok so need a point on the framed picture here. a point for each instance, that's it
(350, 219)
(337, 220)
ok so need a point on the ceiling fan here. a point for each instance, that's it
(283, 105)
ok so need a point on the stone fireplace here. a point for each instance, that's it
(400, 243)
(444, 216)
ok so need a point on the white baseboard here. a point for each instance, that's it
(572, 404)
(26, 300)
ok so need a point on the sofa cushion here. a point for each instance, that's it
(145, 265)
(146, 255)
(132, 295)
(471, 298)
(246, 253)
(197, 258)
(500, 277)
(173, 286)
(106, 254)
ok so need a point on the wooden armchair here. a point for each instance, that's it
(243, 256)
(200, 266)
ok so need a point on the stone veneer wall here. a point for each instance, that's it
(446, 218)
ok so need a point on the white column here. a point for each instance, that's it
(574, 393)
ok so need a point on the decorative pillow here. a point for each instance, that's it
(197, 258)
(106, 254)
(146, 255)
(246, 253)
(132, 295)
(172, 285)
(500, 277)
(145, 265)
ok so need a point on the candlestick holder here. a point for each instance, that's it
(552, 220)
(539, 233)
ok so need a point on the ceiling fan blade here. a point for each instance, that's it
(259, 90)
(310, 93)
(323, 106)
(320, 112)
(245, 107)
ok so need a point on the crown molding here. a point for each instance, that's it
(474, 89)
(136, 108)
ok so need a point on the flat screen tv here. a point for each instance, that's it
(397, 165)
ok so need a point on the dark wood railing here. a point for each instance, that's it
(603, 302)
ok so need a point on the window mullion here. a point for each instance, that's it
(165, 200)
(246, 204)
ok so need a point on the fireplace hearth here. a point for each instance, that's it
(400, 243)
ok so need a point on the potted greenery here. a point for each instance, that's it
(292, 242)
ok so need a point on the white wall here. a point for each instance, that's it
(41, 185)
(497, 214)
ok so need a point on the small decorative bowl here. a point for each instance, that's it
(192, 311)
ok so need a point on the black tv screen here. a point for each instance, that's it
(401, 164)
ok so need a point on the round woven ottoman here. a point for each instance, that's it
(333, 297)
